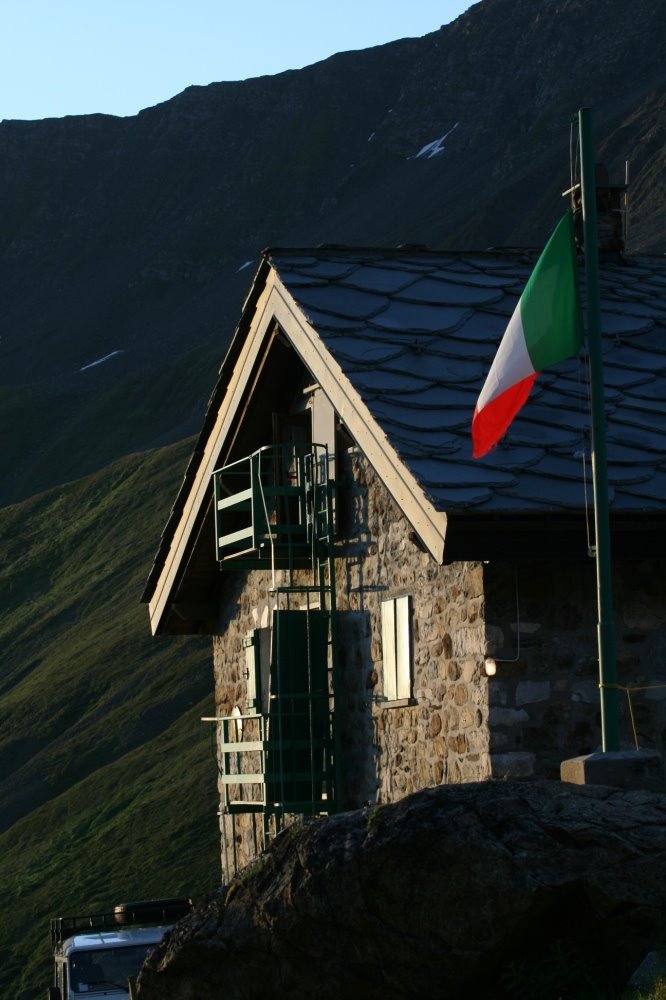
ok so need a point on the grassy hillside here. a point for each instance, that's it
(127, 403)
(107, 784)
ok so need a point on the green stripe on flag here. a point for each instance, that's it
(549, 306)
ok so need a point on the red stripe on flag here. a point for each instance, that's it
(491, 423)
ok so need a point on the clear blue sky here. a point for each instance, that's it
(71, 57)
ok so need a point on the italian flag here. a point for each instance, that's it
(545, 328)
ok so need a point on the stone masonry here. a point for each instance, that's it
(536, 619)
(436, 736)
(541, 628)
(439, 735)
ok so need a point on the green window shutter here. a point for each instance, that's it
(299, 756)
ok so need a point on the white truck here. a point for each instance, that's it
(99, 954)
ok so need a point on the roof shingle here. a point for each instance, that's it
(415, 333)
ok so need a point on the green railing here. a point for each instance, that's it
(269, 507)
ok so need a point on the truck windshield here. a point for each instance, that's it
(103, 968)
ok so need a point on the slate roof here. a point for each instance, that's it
(401, 341)
(415, 332)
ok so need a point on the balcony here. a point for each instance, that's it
(272, 508)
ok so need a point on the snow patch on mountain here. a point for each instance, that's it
(435, 147)
(100, 361)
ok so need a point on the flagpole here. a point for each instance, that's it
(610, 729)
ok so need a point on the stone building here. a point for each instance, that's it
(388, 613)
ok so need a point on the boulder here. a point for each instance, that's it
(490, 889)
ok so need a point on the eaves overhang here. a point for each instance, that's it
(195, 491)
(520, 536)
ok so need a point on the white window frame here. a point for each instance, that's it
(397, 648)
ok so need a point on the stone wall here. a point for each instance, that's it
(541, 620)
(537, 619)
(245, 605)
(437, 735)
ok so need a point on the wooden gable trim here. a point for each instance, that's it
(200, 489)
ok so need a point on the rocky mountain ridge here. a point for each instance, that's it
(128, 239)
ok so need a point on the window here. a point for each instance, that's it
(397, 648)
(257, 645)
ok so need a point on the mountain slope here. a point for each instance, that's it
(126, 239)
(107, 779)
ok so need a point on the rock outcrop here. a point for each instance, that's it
(491, 889)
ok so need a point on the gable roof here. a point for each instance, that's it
(400, 341)
(415, 335)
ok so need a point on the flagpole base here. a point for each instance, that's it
(632, 770)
